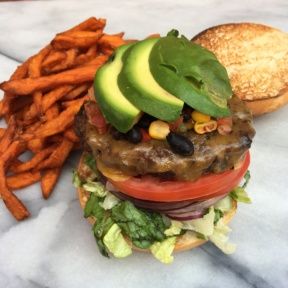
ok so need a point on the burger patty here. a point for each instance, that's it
(213, 153)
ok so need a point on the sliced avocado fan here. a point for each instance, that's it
(116, 108)
(191, 73)
(138, 85)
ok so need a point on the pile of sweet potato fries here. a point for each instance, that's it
(40, 102)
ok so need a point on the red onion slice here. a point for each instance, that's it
(187, 216)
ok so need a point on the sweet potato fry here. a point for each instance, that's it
(12, 152)
(19, 73)
(77, 92)
(56, 125)
(76, 39)
(2, 131)
(22, 180)
(90, 54)
(67, 104)
(8, 135)
(52, 112)
(49, 180)
(14, 164)
(34, 161)
(71, 135)
(48, 100)
(55, 57)
(36, 145)
(34, 71)
(112, 41)
(13, 204)
(58, 157)
(91, 24)
(65, 64)
(73, 76)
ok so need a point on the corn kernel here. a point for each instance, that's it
(200, 117)
(201, 128)
(159, 130)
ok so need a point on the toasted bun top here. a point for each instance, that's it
(255, 56)
(184, 242)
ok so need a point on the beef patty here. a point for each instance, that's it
(213, 153)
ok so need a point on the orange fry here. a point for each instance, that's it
(48, 181)
(58, 157)
(52, 112)
(67, 104)
(36, 145)
(67, 63)
(48, 100)
(56, 125)
(73, 76)
(22, 180)
(77, 92)
(112, 41)
(8, 135)
(76, 39)
(19, 73)
(54, 58)
(2, 131)
(71, 135)
(34, 161)
(34, 71)
(88, 56)
(91, 24)
(14, 205)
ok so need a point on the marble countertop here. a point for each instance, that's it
(54, 247)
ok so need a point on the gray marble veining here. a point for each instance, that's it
(54, 248)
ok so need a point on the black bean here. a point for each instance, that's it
(134, 135)
(145, 121)
(186, 117)
(180, 144)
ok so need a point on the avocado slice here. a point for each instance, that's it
(121, 113)
(192, 74)
(139, 87)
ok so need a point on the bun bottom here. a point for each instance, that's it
(184, 242)
(263, 106)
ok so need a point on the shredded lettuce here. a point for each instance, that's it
(116, 243)
(240, 195)
(204, 225)
(174, 229)
(163, 250)
(95, 187)
(110, 201)
(224, 204)
(142, 227)
(220, 238)
(76, 179)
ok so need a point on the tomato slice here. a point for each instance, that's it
(208, 186)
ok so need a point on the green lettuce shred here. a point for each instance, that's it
(204, 225)
(95, 187)
(163, 250)
(76, 179)
(220, 238)
(116, 243)
(174, 229)
(109, 201)
(143, 228)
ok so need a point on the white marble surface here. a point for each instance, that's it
(54, 248)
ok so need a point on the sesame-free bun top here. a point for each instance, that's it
(256, 59)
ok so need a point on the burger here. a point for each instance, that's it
(166, 149)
